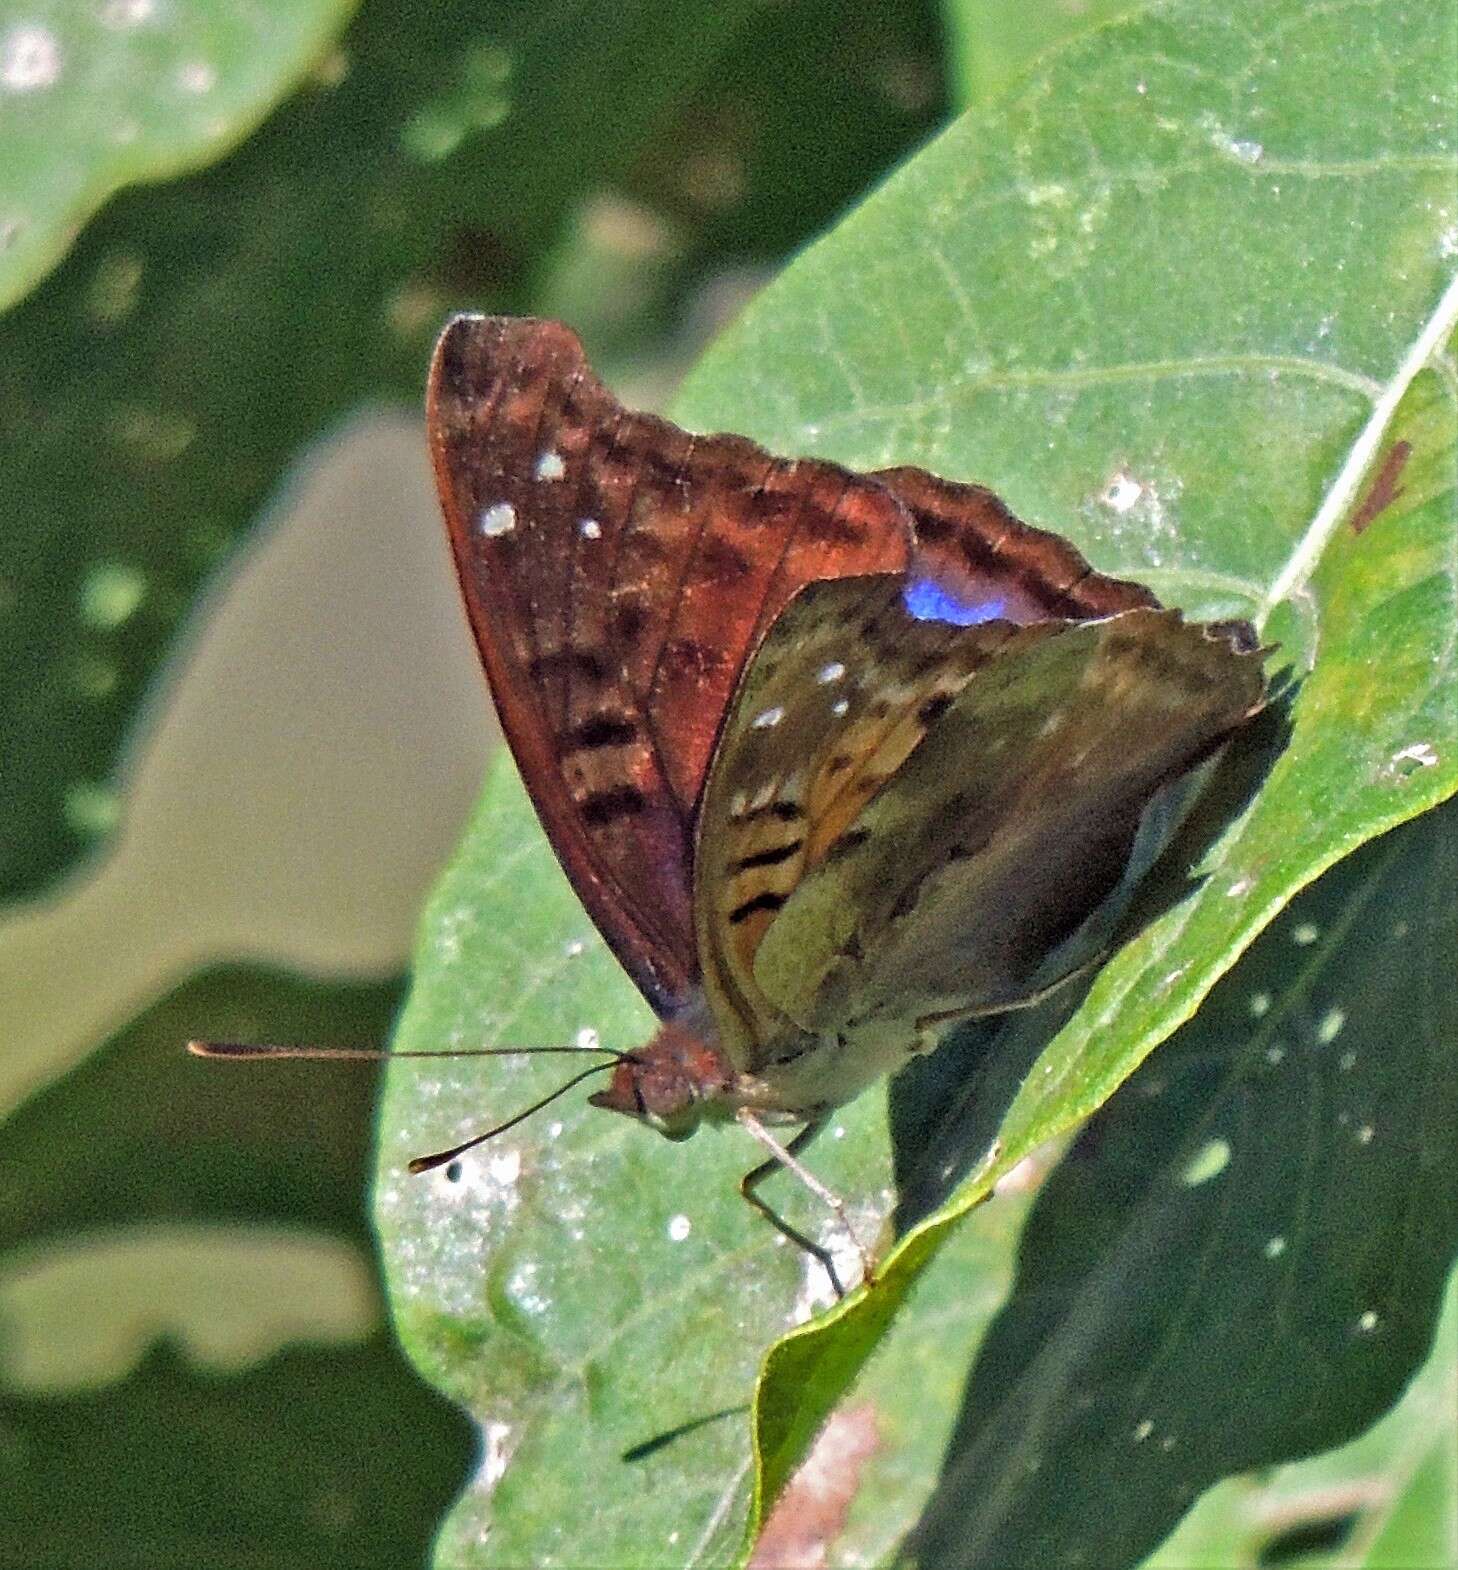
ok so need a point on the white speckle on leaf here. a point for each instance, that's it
(1042, 195)
(1122, 493)
(1448, 241)
(1241, 149)
(766, 719)
(573, 947)
(1368, 1322)
(493, 1462)
(30, 58)
(831, 672)
(1275, 1247)
(523, 1289)
(554, 1130)
(1275, 1053)
(590, 529)
(550, 466)
(505, 1168)
(679, 1228)
(1420, 753)
(1143, 1431)
(497, 519)
(1239, 887)
(1331, 1025)
(197, 76)
(126, 13)
(587, 1039)
(1209, 1161)
(1260, 1004)
(1366, 1134)
(1347, 1061)
(1305, 933)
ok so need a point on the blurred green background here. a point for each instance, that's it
(242, 723)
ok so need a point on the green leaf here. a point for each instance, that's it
(96, 97)
(1243, 1257)
(1210, 435)
(581, 1286)
(1141, 302)
(1385, 1500)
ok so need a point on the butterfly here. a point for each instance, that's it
(832, 759)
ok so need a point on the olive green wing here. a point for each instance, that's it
(838, 696)
(1007, 825)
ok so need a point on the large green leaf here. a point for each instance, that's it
(1177, 300)
(96, 97)
(1386, 1501)
(579, 1285)
(1242, 1259)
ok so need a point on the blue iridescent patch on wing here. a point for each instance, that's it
(927, 600)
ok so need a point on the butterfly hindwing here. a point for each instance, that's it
(1007, 826)
(618, 572)
(836, 699)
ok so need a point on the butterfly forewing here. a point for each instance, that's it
(618, 573)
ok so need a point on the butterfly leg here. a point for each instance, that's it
(786, 1156)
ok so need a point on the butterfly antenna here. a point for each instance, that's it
(442, 1157)
(261, 1051)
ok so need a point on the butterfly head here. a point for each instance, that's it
(671, 1083)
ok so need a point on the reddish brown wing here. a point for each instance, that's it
(618, 572)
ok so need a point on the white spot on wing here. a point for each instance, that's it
(497, 520)
(766, 719)
(590, 529)
(550, 466)
(832, 672)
